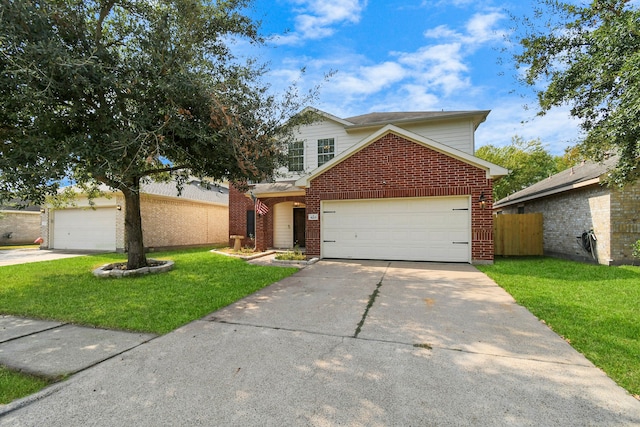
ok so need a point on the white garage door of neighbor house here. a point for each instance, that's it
(86, 229)
(411, 229)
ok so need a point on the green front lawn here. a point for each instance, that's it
(596, 308)
(66, 290)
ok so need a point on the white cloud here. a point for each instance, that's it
(479, 29)
(371, 79)
(438, 67)
(441, 32)
(416, 98)
(316, 19)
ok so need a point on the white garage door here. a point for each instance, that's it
(412, 229)
(85, 229)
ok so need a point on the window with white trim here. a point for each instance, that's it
(296, 156)
(326, 150)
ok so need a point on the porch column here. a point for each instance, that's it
(261, 232)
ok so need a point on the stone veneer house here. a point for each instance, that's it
(391, 186)
(199, 216)
(574, 201)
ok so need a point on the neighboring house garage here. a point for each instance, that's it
(199, 216)
(85, 229)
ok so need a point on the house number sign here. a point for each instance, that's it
(313, 217)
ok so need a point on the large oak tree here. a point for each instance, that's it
(117, 91)
(587, 55)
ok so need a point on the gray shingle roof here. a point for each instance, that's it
(191, 191)
(24, 207)
(562, 181)
(383, 118)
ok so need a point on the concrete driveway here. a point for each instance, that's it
(22, 256)
(352, 344)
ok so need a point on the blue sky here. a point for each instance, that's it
(409, 55)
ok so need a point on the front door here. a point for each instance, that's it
(299, 226)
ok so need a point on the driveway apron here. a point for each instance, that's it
(350, 343)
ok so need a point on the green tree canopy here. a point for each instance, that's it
(588, 57)
(116, 91)
(528, 162)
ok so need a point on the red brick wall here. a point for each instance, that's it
(239, 204)
(396, 167)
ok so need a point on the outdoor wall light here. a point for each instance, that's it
(119, 207)
(482, 201)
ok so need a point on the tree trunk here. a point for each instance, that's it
(133, 227)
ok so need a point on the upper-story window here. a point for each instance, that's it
(326, 150)
(296, 156)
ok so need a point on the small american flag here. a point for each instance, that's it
(261, 208)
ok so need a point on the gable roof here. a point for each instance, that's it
(327, 116)
(587, 173)
(491, 169)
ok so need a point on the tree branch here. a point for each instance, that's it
(104, 12)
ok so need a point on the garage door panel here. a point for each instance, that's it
(420, 229)
(85, 229)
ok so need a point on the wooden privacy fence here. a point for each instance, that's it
(517, 234)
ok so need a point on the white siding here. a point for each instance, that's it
(283, 225)
(458, 135)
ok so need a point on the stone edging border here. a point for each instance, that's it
(102, 272)
(245, 257)
(294, 262)
(273, 261)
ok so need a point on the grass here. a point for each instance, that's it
(65, 290)
(594, 307)
(14, 385)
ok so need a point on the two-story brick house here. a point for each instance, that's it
(397, 186)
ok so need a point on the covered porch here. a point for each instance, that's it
(282, 225)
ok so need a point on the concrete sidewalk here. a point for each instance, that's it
(54, 349)
(23, 256)
(347, 343)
